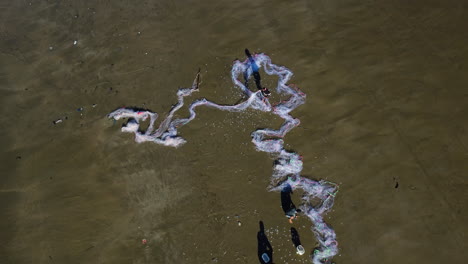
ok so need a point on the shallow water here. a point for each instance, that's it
(387, 105)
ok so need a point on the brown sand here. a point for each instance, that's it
(387, 104)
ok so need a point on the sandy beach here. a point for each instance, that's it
(385, 118)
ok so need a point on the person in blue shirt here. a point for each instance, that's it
(256, 75)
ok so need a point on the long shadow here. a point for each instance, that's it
(295, 237)
(264, 246)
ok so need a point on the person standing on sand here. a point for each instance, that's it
(256, 75)
(288, 206)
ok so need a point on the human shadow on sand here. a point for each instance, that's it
(295, 237)
(265, 251)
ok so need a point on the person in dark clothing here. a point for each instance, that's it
(256, 75)
(288, 206)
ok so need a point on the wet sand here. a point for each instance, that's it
(385, 117)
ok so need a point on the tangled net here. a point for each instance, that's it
(288, 165)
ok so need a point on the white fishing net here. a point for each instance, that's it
(288, 165)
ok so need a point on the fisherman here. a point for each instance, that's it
(256, 74)
(287, 204)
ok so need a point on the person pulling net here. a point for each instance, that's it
(256, 74)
